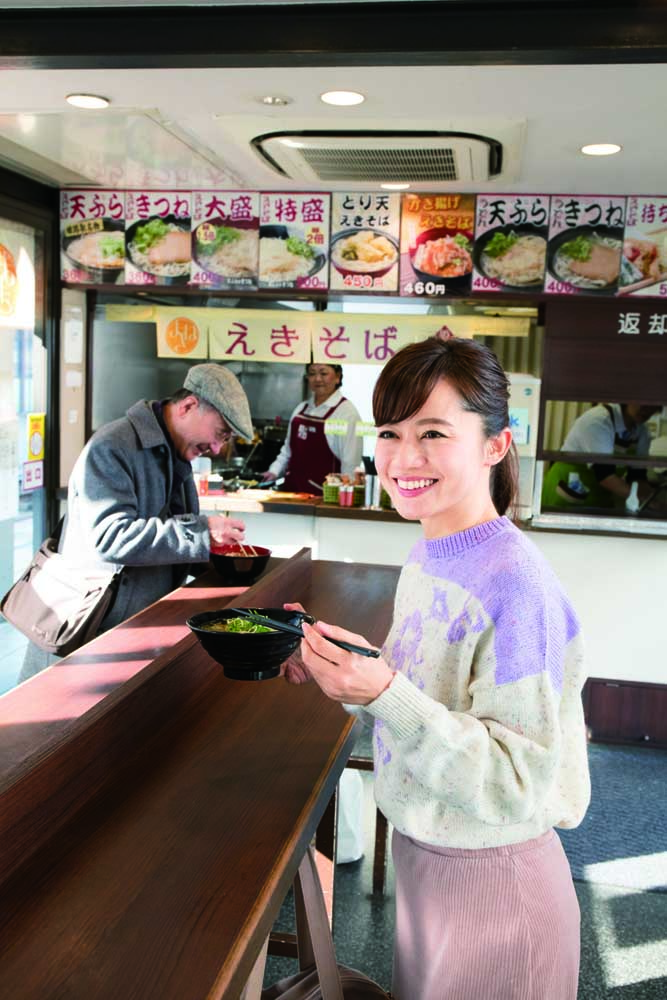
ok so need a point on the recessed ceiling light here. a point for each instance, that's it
(601, 149)
(88, 101)
(343, 98)
(395, 187)
(275, 101)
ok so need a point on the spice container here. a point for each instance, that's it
(346, 496)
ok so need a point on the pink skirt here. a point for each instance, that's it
(495, 924)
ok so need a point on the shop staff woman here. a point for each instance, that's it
(309, 453)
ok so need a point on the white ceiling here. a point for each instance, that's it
(190, 127)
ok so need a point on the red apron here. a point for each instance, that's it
(311, 457)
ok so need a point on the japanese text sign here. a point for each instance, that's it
(510, 242)
(294, 240)
(157, 237)
(225, 239)
(585, 243)
(92, 241)
(436, 243)
(644, 260)
(182, 333)
(364, 241)
(260, 335)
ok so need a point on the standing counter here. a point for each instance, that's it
(613, 571)
(153, 813)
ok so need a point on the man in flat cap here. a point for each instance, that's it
(132, 501)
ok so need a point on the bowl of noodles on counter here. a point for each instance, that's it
(161, 246)
(443, 256)
(587, 257)
(247, 651)
(227, 251)
(100, 253)
(363, 251)
(285, 256)
(512, 255)
(239, 565)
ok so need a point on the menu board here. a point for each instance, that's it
(225, 239)
(92, 240)
(157, 237)
(585, 243)
(510, 242)
(428, 245)
(436, 243)
(294, 240)
(364, 241)
(644, 260)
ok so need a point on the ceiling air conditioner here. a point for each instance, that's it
(423, 157)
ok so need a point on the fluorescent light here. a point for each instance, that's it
(88, 101)
(601, 149)
(343, 98)
(395, 187)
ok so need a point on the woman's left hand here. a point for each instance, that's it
(343, 676)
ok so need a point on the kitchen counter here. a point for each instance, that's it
(152, 812)
(273, 501)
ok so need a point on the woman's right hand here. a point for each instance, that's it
(267, 475)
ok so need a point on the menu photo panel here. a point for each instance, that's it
(510, 247)
(644, 260)
(364, 245)
(157, 237)
(585, 244)
(437, 233)
(92, 237)
(225, 239)
(294, 241)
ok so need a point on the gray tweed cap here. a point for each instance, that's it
(218, 386)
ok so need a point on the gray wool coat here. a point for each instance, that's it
(117, 513)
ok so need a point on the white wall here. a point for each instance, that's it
(618, 588)
(617, 585)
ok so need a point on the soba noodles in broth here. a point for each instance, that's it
(232, 253)
(101, 250)
(514, 259)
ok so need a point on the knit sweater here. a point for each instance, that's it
(479, 740)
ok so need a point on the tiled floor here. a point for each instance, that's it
(623, 933)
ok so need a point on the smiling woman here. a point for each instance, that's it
(444, 451)
(476, 707)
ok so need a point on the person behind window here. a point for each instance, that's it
(614, 429)
(309, 453)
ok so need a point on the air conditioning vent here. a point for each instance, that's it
(375, 157)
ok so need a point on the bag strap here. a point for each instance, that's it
(313, 934)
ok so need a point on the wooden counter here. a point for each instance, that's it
(153, 813)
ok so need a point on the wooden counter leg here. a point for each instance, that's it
(253, 988)
(325, 855)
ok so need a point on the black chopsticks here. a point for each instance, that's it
(250, 616)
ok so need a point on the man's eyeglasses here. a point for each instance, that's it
(223, 434)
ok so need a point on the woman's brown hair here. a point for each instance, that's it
(409, 378)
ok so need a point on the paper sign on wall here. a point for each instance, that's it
(263, 335)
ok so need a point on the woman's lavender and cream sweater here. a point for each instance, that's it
(479, 740)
